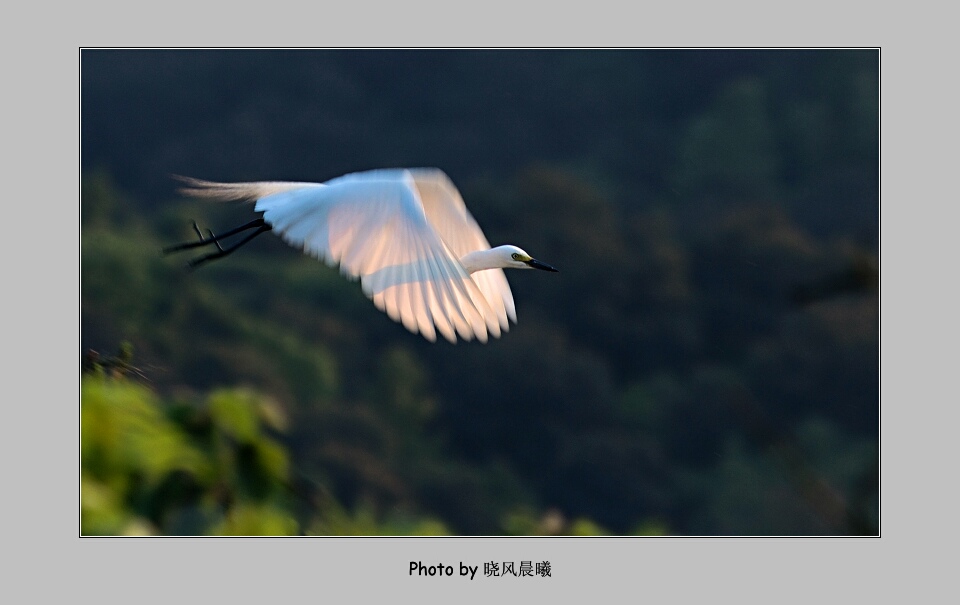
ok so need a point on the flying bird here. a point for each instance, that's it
(405, 233)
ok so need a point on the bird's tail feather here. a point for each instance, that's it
(227, 192)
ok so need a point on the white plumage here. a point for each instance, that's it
(406, 234)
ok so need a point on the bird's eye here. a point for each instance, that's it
(515, 256)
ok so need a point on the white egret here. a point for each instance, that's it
(405, 233)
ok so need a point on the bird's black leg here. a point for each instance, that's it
(212, 236)
(214, 239)
(221, 252)
(260, 225)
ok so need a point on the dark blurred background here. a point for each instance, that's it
(706, 362)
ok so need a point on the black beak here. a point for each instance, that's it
(544, 266)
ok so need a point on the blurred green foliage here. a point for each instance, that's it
(705, 363)
(215, 466)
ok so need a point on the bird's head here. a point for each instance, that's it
(515, 258)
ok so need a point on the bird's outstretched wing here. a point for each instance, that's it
(448, 214)
(374, 226)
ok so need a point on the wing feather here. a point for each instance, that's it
(446, 211)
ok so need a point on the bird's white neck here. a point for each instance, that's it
(482, 260)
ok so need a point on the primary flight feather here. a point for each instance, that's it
(405, 233)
